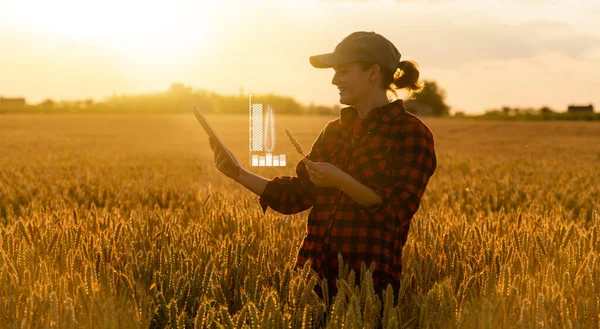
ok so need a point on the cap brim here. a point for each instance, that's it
(328, 60)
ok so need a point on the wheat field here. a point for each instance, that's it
(122, 221)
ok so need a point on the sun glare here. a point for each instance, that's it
(153, 32)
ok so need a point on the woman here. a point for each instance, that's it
(368, 169)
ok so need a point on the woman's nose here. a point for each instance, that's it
(336, 80)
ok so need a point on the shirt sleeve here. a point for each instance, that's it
(290, 195)
(413, 164)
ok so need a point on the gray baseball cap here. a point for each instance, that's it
(367, 46)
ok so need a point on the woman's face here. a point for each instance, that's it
(353, 83)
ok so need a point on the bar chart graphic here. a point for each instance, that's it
(256, 127)
(262, 137)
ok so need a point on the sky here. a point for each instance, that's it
(484, 54)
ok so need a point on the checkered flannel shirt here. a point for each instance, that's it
(392, 152)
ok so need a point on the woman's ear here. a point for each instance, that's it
(375, 73)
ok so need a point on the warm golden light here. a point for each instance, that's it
(153, 32)
(507, 53)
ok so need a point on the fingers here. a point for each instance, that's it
(214, 145)
(310, 165)
(315, 176)
(315, 180)
(313, 169)
(315, 172)
(217, 151)
(222, 163)
(222, 160)
(217, 154)
(306, 161)
(227, 167)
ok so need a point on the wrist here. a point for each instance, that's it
(242, 173)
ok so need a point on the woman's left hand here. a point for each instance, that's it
(325, 174)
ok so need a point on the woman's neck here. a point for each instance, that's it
(365, 106)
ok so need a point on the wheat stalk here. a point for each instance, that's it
(294, 142)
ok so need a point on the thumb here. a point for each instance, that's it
(212, 142)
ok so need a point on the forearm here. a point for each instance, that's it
(361, 193)
(252, 182)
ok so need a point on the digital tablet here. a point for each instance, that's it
(210, 132)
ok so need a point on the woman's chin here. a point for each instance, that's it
(345, 100)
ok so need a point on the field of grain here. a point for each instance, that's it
(122, 221)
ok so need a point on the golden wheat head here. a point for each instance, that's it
(294, 141)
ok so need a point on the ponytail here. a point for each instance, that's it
(406, 77)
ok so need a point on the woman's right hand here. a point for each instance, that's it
(222, 162)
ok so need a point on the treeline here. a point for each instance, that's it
(543, 113)
(178, 98)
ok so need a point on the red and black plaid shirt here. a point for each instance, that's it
(392, 152)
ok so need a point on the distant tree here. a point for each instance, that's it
(84, 104)
(434, 96)
(529, 111)
(48, 103)
(321, 109)
(459, 114)
(65, 104)
(280, 104)
(179, 98)
(179, 89)
(505, 110)
(546, 110)
(492, 112)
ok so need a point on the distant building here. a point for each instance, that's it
(417, 108)
(581, 109)
(12, 101)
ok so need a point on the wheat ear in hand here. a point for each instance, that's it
(295, 143)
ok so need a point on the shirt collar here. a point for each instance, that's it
(387, 113)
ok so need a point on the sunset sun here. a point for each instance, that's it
(149, 31)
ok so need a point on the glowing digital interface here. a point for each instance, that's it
(262, 137)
